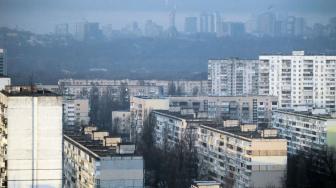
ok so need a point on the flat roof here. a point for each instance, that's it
(92, 147)
(236, 131)
(306, 114)
(23, 91)
(179, 115)
(148, 97)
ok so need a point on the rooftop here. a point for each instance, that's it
(147, 97)
(236, 130)
(24, 91)
(307, 114)
(93, 147)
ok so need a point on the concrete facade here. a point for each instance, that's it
(3, 62)
(4, 81)
(154, 88)
(75, 111)
(89, 164)
(33, 137)
(240, 158)
(141, 107)
(304, 131)
(248, 109)
(121, 121)
(233, 77)
(299, 79)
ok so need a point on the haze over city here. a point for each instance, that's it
(41, 15)
(167, 93)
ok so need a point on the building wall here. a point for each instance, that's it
(249, 109)
(85, 168)
(3, 62)
(82, 109)
(299, 79)
(3, 139)
(168, 128)
(82, 88)
(4, 81)
(121, 171)
(232, 77)
(121, 120)
(75, 111)
(232, 159)
(76, 158)
(34, 131)
(304, 132)
(141, 107)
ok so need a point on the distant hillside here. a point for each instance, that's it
(49, 58)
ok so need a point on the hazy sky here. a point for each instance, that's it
(41, 15)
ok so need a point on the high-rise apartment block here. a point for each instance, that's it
(231, 77)
(31, 139)
(3, 62)
(299, 79)
(190, 25)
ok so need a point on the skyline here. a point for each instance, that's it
(41, 16)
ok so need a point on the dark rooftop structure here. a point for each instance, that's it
(24, 91)
(93, 147)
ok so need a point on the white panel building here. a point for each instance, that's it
(299, 79)
(33, 122)
(305, 131)
(231, 77)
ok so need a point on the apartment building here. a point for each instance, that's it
(299, 79)
(121, 121)
(248, 109)
(240, 156)
(3, 62)
(31, 139)
(141, 107)
(173, 127)
(155, 88)
(4, 81)
(305, 131)
(75, 111)
(233, 77)
(89, 164)
(205, 184)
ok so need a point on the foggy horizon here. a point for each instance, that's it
(41, 16)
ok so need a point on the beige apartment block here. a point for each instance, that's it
(241, 156)
(141, 107)
(87, 163)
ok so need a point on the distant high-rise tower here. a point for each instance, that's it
(3, 63)
(172, 19)
(190, 25)
(204, 23)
